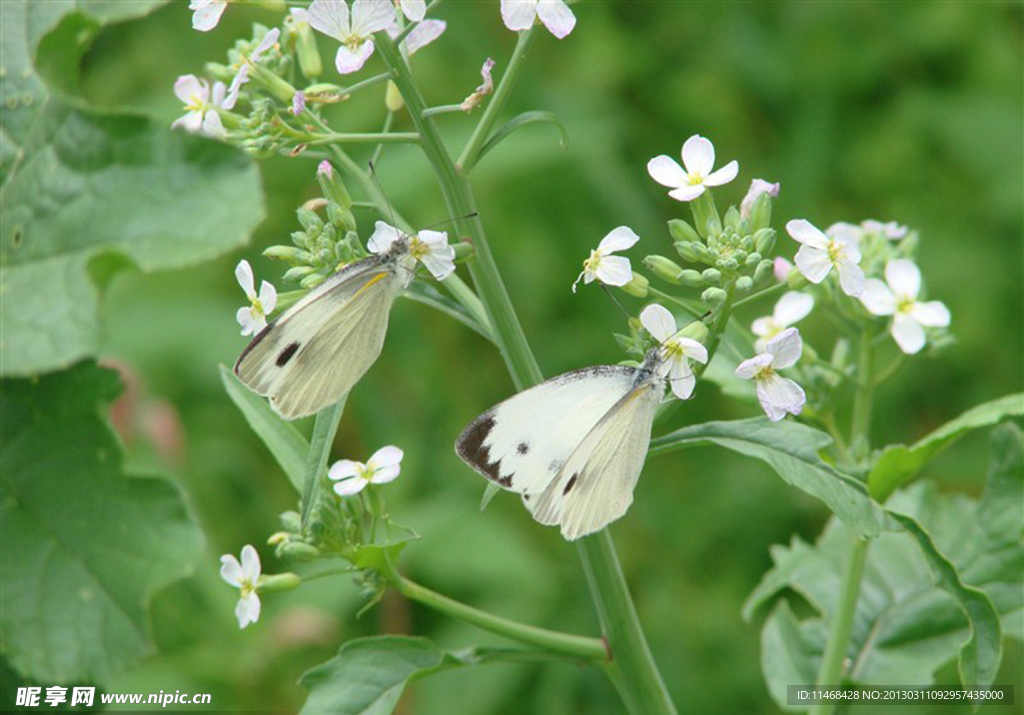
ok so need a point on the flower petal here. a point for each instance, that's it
(903, 277)
(851, 277)
(807, 233)
(877, 298)
(781, 268)
(348, 487)
(245, 319)
(212, 126)
(693, 350)
(687, 193)
(250, 563)
(231, 570)
(658, 321)
(724, 175)
(347, 61)
(423, 34)
(933, 314)
(205, 18)
(248, 609)
(666, 171)
(440, 262)
(415, 10)
(243, 274)
(779, 395)
(614, 270)
(556, 16)
(699, 155)
(793, 307)
(268, 297)
(618, 239)
(785, 348)
(907, 333)
(383, 475)
(188, 86)
(844, 233)
(266, 43)
(383, 236)
(386, 456)
(370, 16)
(344, 469)
(518, 14)
(757, 187)
(765, 327)
(749, 368)
(682, 385)
(330, 17)
(191, 122)
(813, 263)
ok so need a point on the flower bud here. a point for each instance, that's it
(691, 278)
(712, 276)
(274, 85)
(682, 231)
(714, 296)
(463, 251)
(744, 284)
(310, 221)
(341, 217)
(312, 281)
(219, 72)
(763, 272)
(687, 251)
(309, 55)
(298, 273)
(278, 538)
(796, 280)
(728, 264)
(272, 583)
(705, 215)
(695, 331)
(637, 286)
(740, 256)
(393, 98)
(286, 253)
(704, 253)
(732, 218)
(747, 243)
(300, 239)
(764, 239)
(753, 259)
(332, 186)
(626, 342)
(291, 521)
(324, 93)
(664, 268)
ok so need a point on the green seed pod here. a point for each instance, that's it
(712, 276)
(664, 268)
(744, 284)
(764, 239)
(691, 278)
(272, 84)
(637, 286)
(687, 251)
(682, 231)
(732, 218)
(463, 250)
(714, 296)
(278, 582)
(763, 272)
(753, 259)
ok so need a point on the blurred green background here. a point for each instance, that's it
(905, 111)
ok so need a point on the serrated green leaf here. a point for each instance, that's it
(898, 463)
(791, 449)
(522, 120)
(285, 442)
(81, 185)
(84, 545)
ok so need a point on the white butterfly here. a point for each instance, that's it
(572, 446)
(318, 349)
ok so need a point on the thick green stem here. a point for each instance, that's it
(861, 421)
(366, 138)
(564, 643)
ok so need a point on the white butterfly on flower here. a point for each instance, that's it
(254, 318)
(676, 351)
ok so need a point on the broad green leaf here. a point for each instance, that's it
(519, 121)
(88, 192)
(898, 463)
(791, 449)
(285, 442)
(386, 549)
(324, 429)
(85, 546)
(790, 651)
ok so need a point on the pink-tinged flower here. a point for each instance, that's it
(777, 395)
(201, 105)
(819, 254)
(352, 477)
(325, 168)
(793, 307)
(699, 160)
(414, 10)
(352, 28)
(757, 187)
(892, 230)
(420, 36)
(603, 266)
(206, 13)
(254, 318)
(676, 350)
(298, 104)
(242, 76)
(470, 102)
(781, 268)
(428, 247)
(520, 15)
(243, 576)
(899, 299)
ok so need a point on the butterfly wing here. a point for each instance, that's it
(522, 443)
(319, 348)
(595, 487)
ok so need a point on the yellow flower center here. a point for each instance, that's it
(591, 263)
(764, 373)
(417, 248)
(257, 308)
(196, 103)
(695, 178)
(836, 251)
(904, 304)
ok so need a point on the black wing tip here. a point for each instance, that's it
(471, 449)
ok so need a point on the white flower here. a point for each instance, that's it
(793, 307)
(899, 299)
(676, 351)
(421, 35)
(781, 268)
(555, 14)
(757, 187)
(414, 10)
(820, 253)
(470, 102)
(254, 318)
(777, 395)
(242, 76)
(428, 247)
(244, 577)
(891, 230)
(610, 270)
(699, 160)
(200, 106)
(206, 13)
(352, 477)
(354, 30)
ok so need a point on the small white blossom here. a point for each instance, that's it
(899, 299)
(242, 76)
(243, 576)
(520, 15)
(781, 268)
(777, 395)
(891, 230)
(820, 253)
(352, 477)
(420, 36)
(676, 351)
(470, 102)
(414, 10)
(699, 159)
(254, 318)
(793, 307)
(602, 265)
(757, 187)
(206, 13)
(352, 28)
(428, 247)
(201, 105)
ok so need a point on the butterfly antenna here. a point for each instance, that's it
(614, 300)
(684, 326)
(391, 209)
(472, 214)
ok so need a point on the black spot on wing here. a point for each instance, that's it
(522, 448)
(285, 355)
(570, 484)
(470, 447)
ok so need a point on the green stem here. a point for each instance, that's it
(861, 421)
(324, 429)
(718, 327)
(444, 109)
(366, 138)
(565, 643)
(471, 153)
(831, 671)
(771, 290)
(680, 302)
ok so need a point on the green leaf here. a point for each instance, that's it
(897, 464)
(790, 652)
(324, 429)
(521, 120)
(285, 442)
(85, 546)
(791, 449)
(87, 192)
(381, 555)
